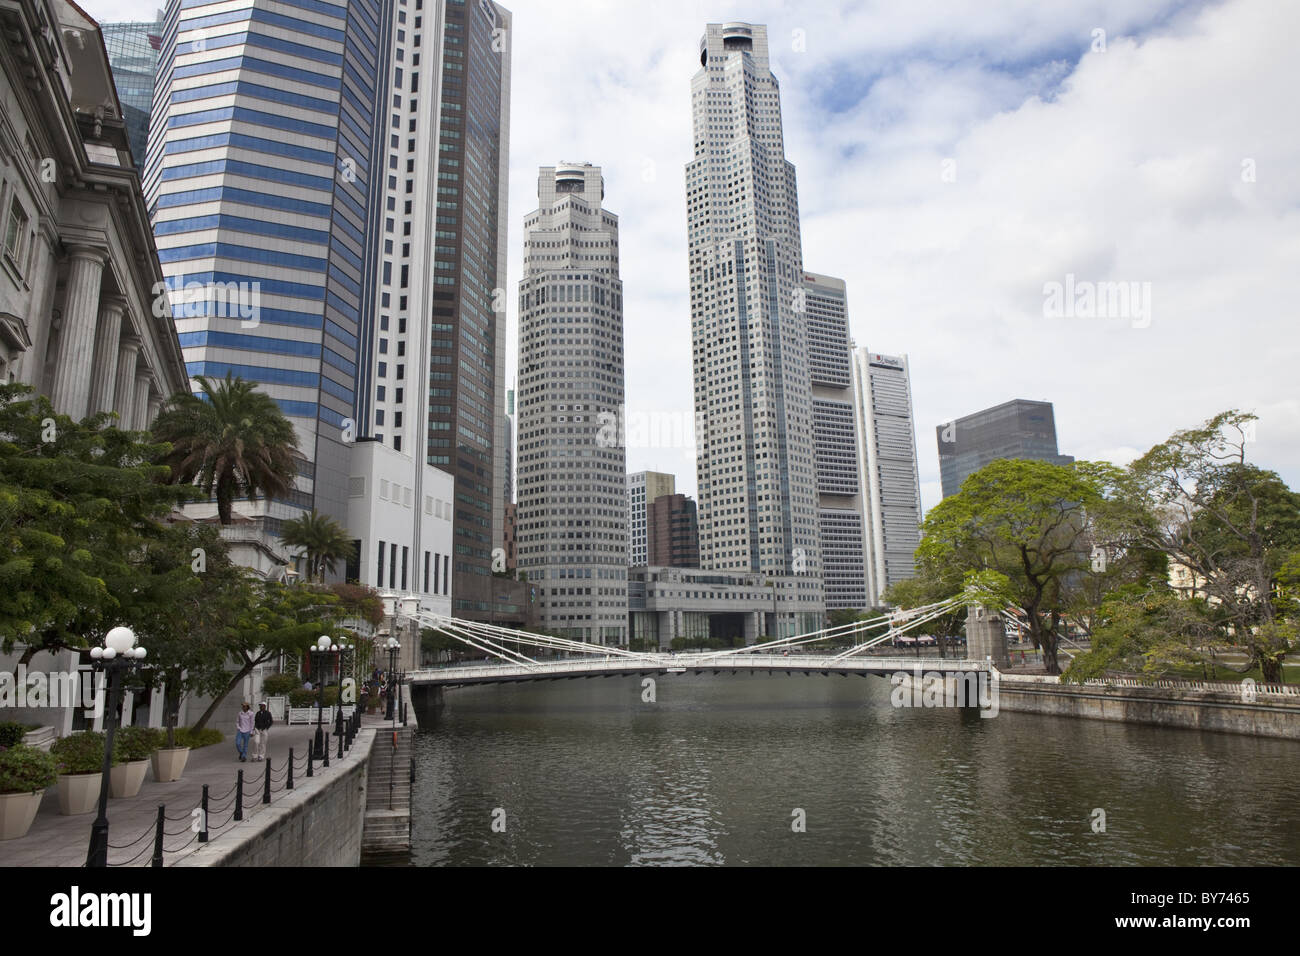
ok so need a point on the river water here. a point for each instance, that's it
(794, 770)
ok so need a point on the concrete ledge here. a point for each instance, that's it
(318, 824)
(1158, 706)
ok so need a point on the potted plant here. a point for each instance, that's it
(80, 760)
(169, 761)
(134, 746)
(25, 772)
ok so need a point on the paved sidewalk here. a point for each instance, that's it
(56, 840)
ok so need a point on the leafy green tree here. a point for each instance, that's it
(184, 611)
(79, 501)
(323, 541)
(233, 443)
(1027, 520)
(1233, 526)
(280, 619)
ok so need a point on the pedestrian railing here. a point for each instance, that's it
(176, 831)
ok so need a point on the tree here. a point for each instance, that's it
(322, 540)
(185, 611)
(280, 619)
(79, 503)
(233, 442)
(1234, 527)
(1027, 520)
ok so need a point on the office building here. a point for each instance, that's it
(758, 498)
(133, 55)
(839, 489)
(264, 135)
(643, 487)
(572, 513)
(1016, 429)
(887, 469)
(672, 532)
(79, 264)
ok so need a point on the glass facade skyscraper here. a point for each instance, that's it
(1015, 429)
(133, 56)
(262, 147)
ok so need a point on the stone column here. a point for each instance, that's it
(107, 332)
(140, 410)
(128, 351)
(985, 636)
(71, 386)
(155, 403)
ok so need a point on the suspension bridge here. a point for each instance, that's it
(511, 656)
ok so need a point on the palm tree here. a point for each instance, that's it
(322, 540)
(234, 442)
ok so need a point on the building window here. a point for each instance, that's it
(15, 231)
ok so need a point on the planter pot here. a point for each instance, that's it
(78, 793)
(125, 779)
(17, 811)
(168, 765)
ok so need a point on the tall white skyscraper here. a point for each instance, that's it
(886, 439)
(753, 393)
(839, 486)
(571, 472)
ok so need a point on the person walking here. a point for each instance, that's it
(243, 730)
(262, 721)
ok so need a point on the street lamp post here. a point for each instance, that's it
(320, 651)
(392, 646)
(119, 656)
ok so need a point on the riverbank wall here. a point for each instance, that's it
(319, 824)
(1221, 708)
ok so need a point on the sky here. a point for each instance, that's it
(966, 168)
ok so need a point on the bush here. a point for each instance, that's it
(81, 753)
(307, 698)
(277, 685)
(11, 735)
(188, 737)
(25, 769)
(137, 743)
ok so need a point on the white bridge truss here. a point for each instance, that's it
(516, 652)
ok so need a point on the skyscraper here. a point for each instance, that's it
(891, 484)
(753, 392)
(431, 383)
(572, 507)
(672, 532)
(264, 135)
(839, 488)
(1015, 429)
(133, 56)
(643, 487)
(467, 381)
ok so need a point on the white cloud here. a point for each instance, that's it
(1123, 165)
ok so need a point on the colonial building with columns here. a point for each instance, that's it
(80, 315)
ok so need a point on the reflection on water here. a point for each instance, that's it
(584, 772)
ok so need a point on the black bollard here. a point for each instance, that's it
(203, 816)
(309, 760)
(158, 836)
(289, 784)
(239, 798)
(266, 784)
(340, 741)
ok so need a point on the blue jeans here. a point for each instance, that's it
(241, 742)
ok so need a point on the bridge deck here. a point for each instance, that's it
(464, 675)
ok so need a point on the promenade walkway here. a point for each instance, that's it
(57, 840)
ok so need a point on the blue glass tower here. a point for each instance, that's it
(264, 132)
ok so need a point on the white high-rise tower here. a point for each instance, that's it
(571, 471)
(753, 392)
